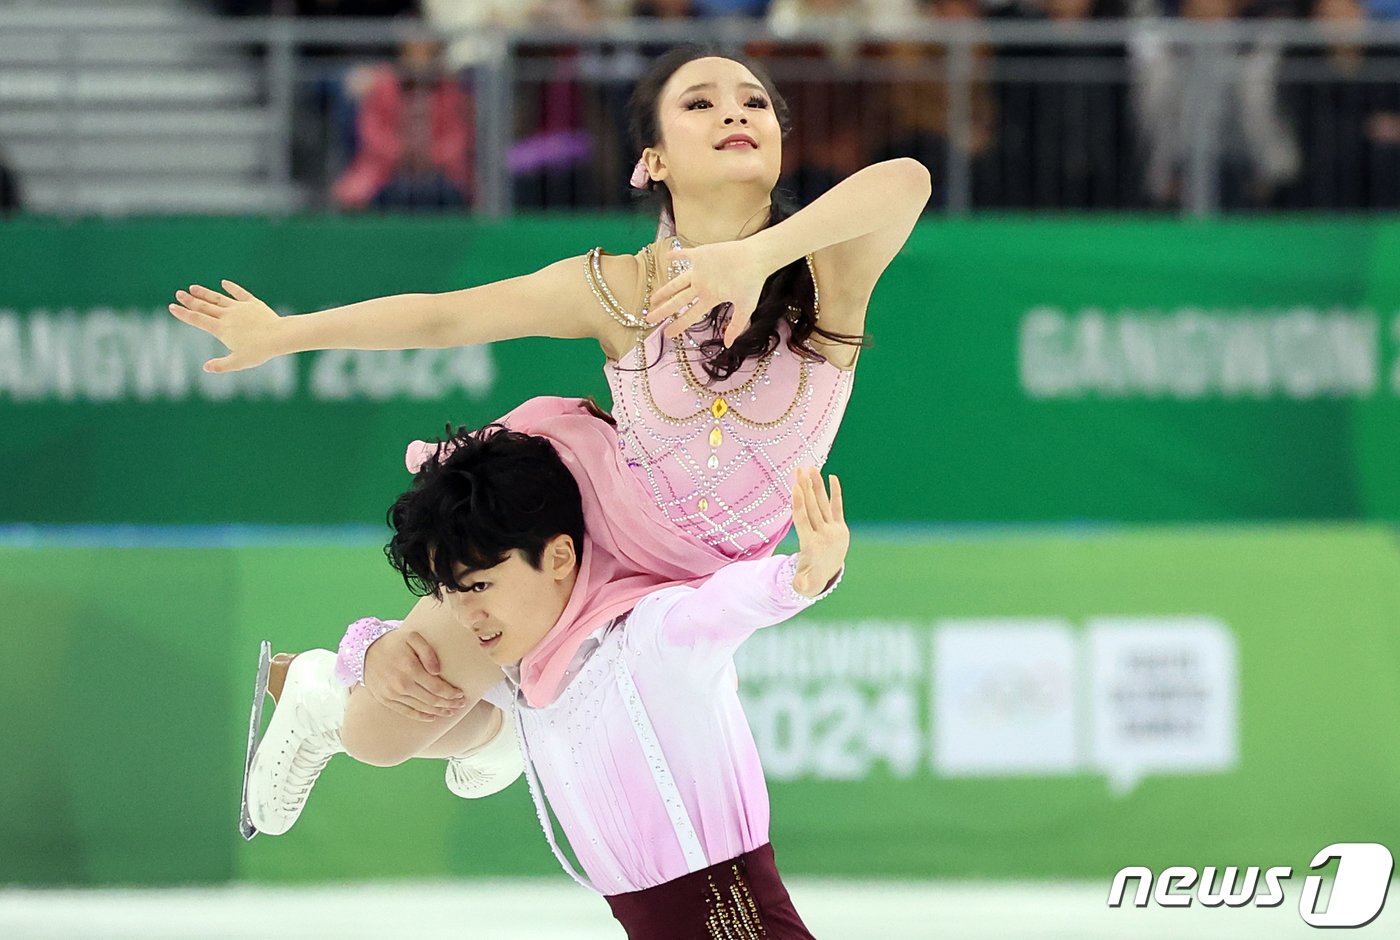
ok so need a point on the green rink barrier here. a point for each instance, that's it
(1024, 703)
(1022, 370)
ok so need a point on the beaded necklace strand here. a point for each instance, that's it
(721, 403)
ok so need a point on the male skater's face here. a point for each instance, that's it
(510, 608)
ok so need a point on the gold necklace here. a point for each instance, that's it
(720, 406)
(722, 403)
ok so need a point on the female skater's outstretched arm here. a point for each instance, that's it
(853, 232)
(554, 301)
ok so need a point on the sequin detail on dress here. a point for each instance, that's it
(719, 457)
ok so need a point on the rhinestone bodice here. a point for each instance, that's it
(719, 457)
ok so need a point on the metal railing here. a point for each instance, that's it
(1131, 115)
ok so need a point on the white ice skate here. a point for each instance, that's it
(487, 768)
(303, 735)
(245, 823)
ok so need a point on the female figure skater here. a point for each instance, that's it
(749, 380)
(644, 754)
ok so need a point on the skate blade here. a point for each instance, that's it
(245, 821)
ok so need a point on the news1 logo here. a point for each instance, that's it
(1358, 889)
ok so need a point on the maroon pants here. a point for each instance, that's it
(741, 899)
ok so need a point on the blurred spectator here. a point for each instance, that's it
(356, 7)
(10, 201)
(469, 22)
(552, 140)
(841, 18)
(383, 8)
(920, 112)
(1013, 9)
(664, 9)
(1076, 11)
(1065, 135)
(613, 69)
(754, 8)
(414, 134)
(563, 136)
(464, 24)
(1347, 110)
(1223, 99)
(836, 111)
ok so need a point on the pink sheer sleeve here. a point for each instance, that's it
(350, 660)
(738, 600)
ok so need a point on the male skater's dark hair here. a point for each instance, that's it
(482, 494)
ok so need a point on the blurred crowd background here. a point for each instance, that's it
(1122, 461)
(1201, 106)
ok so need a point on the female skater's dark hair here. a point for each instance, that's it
(789, 291)
(482, 494)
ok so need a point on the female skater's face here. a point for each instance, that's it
(509, 608)
(717, 127)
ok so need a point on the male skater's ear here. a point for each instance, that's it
(560, 557)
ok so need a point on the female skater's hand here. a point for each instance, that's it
(402, 674)
(242, 322)
(822, 536)
(722, 272)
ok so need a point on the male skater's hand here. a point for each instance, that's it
(822, 536)
(402, 673)
(242, 322)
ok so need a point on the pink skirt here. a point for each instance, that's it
(741, 899)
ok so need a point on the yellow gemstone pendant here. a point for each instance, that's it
(720, 408)
(716, 437)
(704, 504)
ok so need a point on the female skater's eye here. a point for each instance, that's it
(758, 101)
(478, 587)
(695, 105)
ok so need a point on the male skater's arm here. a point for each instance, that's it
(403, 673)
(746, 596)
(386, 733)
